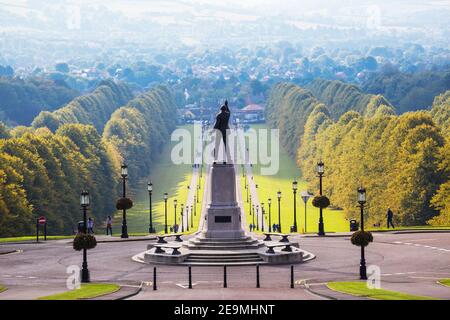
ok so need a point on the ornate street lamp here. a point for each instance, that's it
(262, 216)
(246, 188)
(175, 213)
(192, 219)
(253, 215)
(198, 188)
(257, 220)
(165, 212)
(279, 209)
(182, 217)
(294, 190)
(269, 202)
(85, 202)
(362, 201)
(320, 171)
(124, 174)
(150, 190)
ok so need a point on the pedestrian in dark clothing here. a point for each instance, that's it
(251, 227)
(390, 217)
(90, 225)
(109, 225)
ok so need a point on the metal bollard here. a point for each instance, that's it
(257, 276)
(292, 277)
(225, 285)
(190, 278)
(154, 278)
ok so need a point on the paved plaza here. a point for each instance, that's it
(409, 262)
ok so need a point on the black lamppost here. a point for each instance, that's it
(187, 218)
(165, 212)
(253, 216)
(269, 202)
(257, 220)
(246, 188)
(250, 206)
(362, 201)
(84, 201)
(320, 171)
(150, 189)
(279, 209)
(175, 213)
(198, 188)
(294, 190)
(124, 174)
(262, 216)
(182, 217)
(192, 219)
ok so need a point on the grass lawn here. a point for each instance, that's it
(33, 238)
(268, 186)
(360, 289)
(86, 291)
(2, 288)
(445, 282)
(166, 177)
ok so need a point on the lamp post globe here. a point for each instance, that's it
(85, 202)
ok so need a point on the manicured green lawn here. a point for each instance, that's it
(2, 288)
(166, 177)
(87, 291)
(360, 289)
(33, 238)
(445, 282)
(268, 186)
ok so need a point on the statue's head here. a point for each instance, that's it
(223, 108)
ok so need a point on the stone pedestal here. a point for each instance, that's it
(223, 218)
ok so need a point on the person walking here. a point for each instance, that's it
(90, 225)
(390, 217)
(109, 225)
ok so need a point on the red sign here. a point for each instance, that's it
(41, 220)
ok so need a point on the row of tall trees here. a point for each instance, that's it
(341, 97)
(23, 99)
(140, 129)
(93, 109)
(399, 159)
(42, 172)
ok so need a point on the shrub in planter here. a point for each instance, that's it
(84, 241)
(321, 202)
(361, 238)
(124, 203)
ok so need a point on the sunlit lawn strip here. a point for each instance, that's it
(166, 177)
(268, 185)
(2, 288)
(87, 291)
(445, 282)
(360, 289)
(33, 238)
